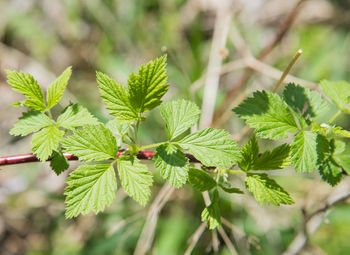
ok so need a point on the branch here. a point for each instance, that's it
(27, 158)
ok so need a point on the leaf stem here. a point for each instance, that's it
(289, 67)
(335, 116)
(235, 171)
(151, 146)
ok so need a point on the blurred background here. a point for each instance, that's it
(237, 45)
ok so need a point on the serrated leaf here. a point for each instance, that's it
(250, 153)
(56, 88)
(200, 179)
(230, 189)
(120, 130)
(330, 130)
(45, 141)
(211, 214)
(59, 162)
(172, 164)
(306, 102)
(30, 122)
(267, 190)
(28, 86)
(338, 92)
(135, 179)
(179, 116)
(90, 188)
(116, 98)
(75, 116)
(93, 142)
(278, 158)
(268, 114)
(213, 147)
(304, 151)
(147, 87)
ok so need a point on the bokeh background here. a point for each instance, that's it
(43, 37)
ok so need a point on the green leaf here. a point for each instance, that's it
(200, 179)
(304, 151)
(330, 130)
(135, 179)
(120, 130)
(268, 114)
(306, 102)
(338, 92)
(344, 161)
(30, 122)
(45, 141)
(147, 87)
(28, 86)
(116, 98)
(56, 89)
(172, 164)
(59, 162)
(211, 214)
(90, 188)
(278, 158)
(230, 189)
(75, 116)
(179, 116)
(250, 153)
(266, 189)
(93, 142)
(213, 147)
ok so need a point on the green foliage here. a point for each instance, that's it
(56, 89)
(93, 142)
(172, 164)
(268, 114)
(200, 179)
(222, 149)
(90, 187)
(135, 179)
(179, 116)
(28, 86)
(338, 92)
(267, 190)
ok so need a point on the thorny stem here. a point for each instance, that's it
(289, 67)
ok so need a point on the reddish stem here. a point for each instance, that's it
(27, 158)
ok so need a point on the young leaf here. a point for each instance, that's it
(59, 162)
(172, 164)
(93, 142)
(147, 87)
(339, 92)
(250, 153)
(120, 130)
(268, 114)
(304, 101)
(330, 130)
(116, 98)
(75, 116)
(28, 86)
(304, 151)
(211, 214)
(135, 179)
(90, 188)
(266, 189)
(213, 147)
(200, 179)
(278, 158)
(30, 122)
(179, 116)
(56, 89)
(45, 141)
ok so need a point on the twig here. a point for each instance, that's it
(227, 241)
(146, 238)
(195, 238)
